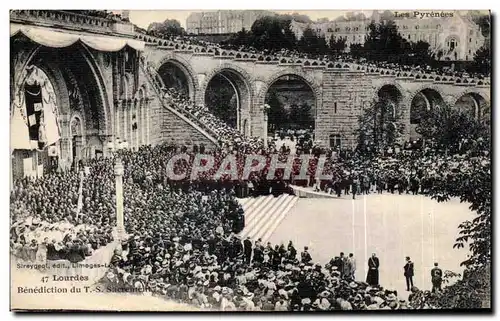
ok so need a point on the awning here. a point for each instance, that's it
(59, 39)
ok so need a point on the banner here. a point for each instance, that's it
(34, 122)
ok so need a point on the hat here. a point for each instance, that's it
(217, 288)
(324, 294)
(391, 297)
(353, 285)
(306, 301)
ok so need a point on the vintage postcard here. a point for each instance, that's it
(250, 160)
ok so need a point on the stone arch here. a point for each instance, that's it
(241, 81)
(244, 75)
(482, 107)
(307, 79)
(397, 93)
(315, 87)
(431, 97)
(185, 67)
(409, 97)
(396, 85)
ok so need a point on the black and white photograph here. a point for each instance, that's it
(250, 160)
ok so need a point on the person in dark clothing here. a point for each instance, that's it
(247, 246)
(292, 252)
(408, 273)
(437, 278)
(372, 275)
(305, 256)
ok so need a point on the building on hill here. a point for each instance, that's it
(223, 21)
(456, 36)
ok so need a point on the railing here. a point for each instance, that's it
(186, 115)
(72, 20)
(305, 62)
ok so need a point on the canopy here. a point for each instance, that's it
(59, 39)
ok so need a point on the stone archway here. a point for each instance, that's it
(423, 99)
(176, 72)
(240, 82)
(78, 86)
(473, 103)
(257, 124)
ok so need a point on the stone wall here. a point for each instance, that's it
(344, 95)
(167, 127)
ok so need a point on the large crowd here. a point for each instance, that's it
(183, 236)
(341, 60)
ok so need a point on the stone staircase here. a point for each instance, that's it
(184, 115)
(263, 214)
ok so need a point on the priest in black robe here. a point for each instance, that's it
(372, 275)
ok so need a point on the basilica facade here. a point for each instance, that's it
(451, 35)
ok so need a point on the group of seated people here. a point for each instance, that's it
(343, 58)
(183, 242)
(100, 14)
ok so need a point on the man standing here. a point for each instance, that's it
(372, 275)
(408, 268)
(437, 278)
(247, 245)
(351, 263)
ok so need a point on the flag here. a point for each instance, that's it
(19, 133)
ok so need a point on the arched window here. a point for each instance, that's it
(452, 43)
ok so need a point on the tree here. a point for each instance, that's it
(220, 99)
(377, 126)
(311, 43)
(356, 50)
(338, 45)
(169, 27)
(277, 115)
(482, 60)
(272, 33)
(449, 128)
(384, 43)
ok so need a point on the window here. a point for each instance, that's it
(335, 107)
(335, 141)
(409, 36)
(452, 43)
(416, 27)
(330, 30)
(470, 39)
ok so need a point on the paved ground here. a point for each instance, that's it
(396, 226)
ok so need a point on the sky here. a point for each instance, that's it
(143, 18)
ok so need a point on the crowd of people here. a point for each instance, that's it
(46, 223)
(183, 239)
(341, 60)
(105, 14)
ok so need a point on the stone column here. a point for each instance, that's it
(118, 108)
(142, 123)
(120, 222)
(125, 127)
(148, 120)
(265, 110)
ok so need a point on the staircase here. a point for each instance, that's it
(180, 112)
(263, 214)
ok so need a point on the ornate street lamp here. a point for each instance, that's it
(118, 170)
(265, 111)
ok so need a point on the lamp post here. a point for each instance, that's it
(265, 111)
(118, 170)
